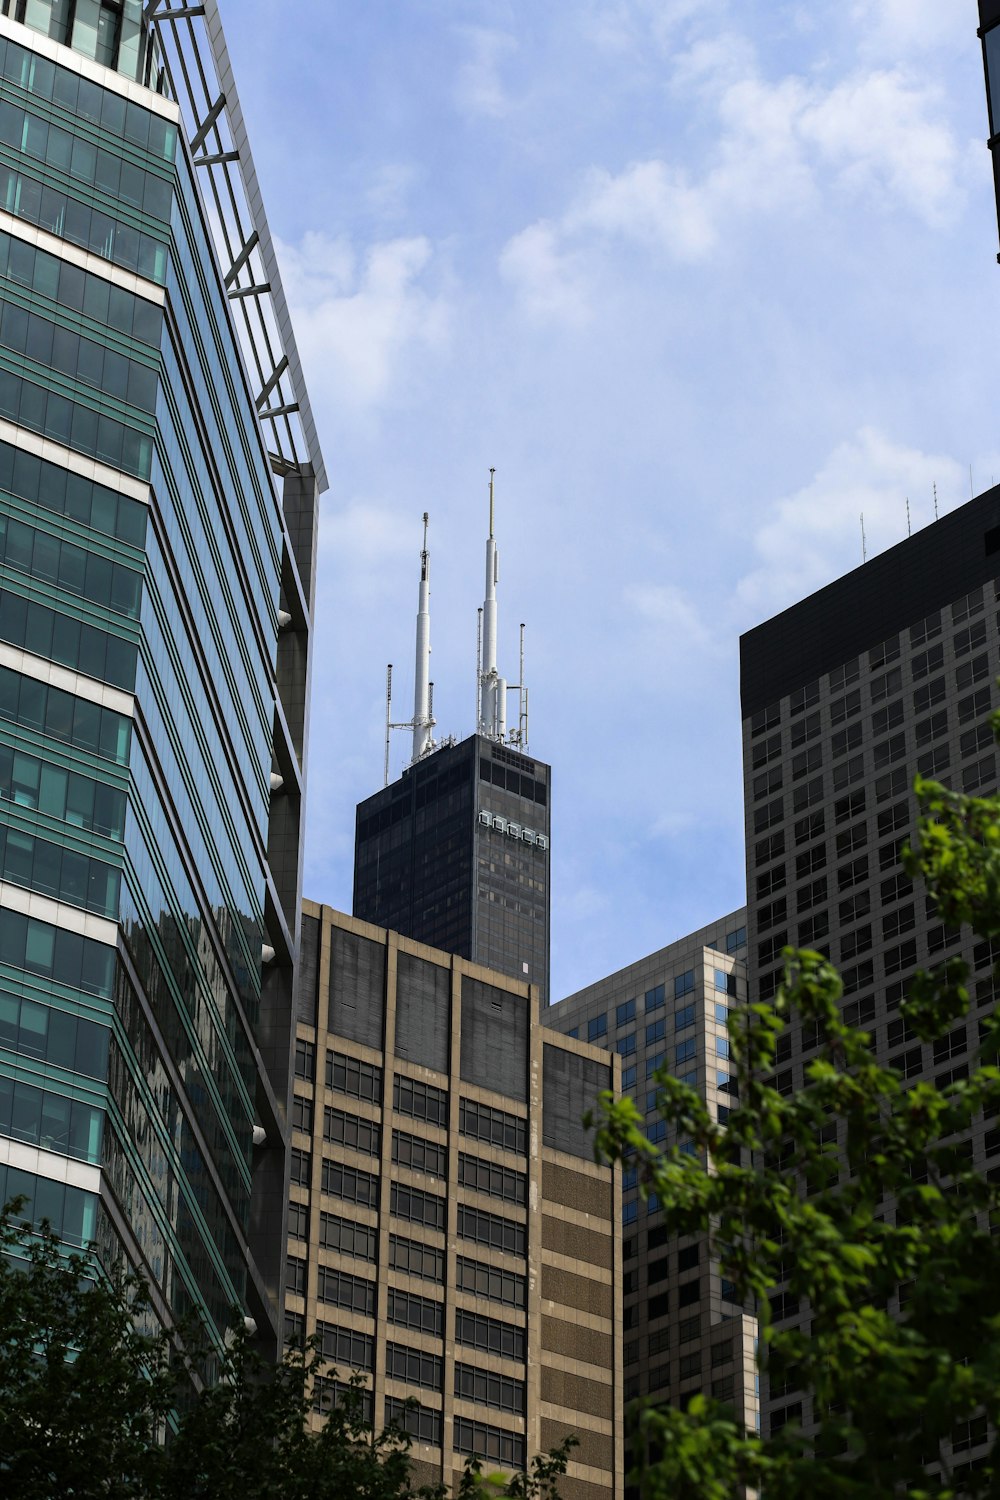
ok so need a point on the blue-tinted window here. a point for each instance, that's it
(629, 1212)
(53, 1036)
(721, 1012)
(684, 984)
(628, 1078)
(654, 998)
(721, 980)
(736, 939)
(63, 716)
(684, 1017)
(722, 1046)
(574, 1031)
(55, 953)
(597, 1027)
(656, 1031)
(652, 1063)
(41, 1117)
(625, 1045)
(686, 1050)
(625, 1013)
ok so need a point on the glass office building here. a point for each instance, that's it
(158, 493)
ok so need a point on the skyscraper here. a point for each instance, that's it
(683, 1330)
(159, 475)
(455, 852)
(887, 672)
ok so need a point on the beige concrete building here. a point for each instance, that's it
(683, 1332)
(449, 1233)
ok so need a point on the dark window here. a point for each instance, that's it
(845, 707)
(421, 1101)
(340, 1289)
(969, 672)
(886, 751)
(305, 1061)
(498, 1391)
(808, 896)
(301, 1166)
(416, 1259)
(416, 1206)
(847, 739)
(974, 705)
(803, 764)
(809, 828)
(350, 1184)
(766, 817)
(881, 655)
(929, 695)
(853, 873)
(926, 629)
(851, 839)
(487, 1177)
(414, 1366)
(351, 1076)
(295, 1275)
(927, 662)
(848, 771)
(891, 783)
(489, 1442)
(418, 1154)
(767, 783)
(849, 807)
(970, 639)
(769, 749)
(490, 1229)
(932, 728)
(843, 676)
(350, 1130)
(485, 1123)
(488, 1334)
(767, 718)
(769, 848)
(810, 861)
(974, 740)
(884, 719)
(808, 795)
(805, 729)
(302, 1114)
(893, 818)
(347, 1236)
(298, 1221)
(410, 1311)
(489, 1281)
(772, 880)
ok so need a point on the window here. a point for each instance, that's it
(933, 762)
(490, 1442)
(813, 930)
(974, 705)
(488, 1334)
(881, 655)
(498, 1391)
(625, 1013)
(927, 662)
(969, 672)
(886, 751)
(843, 676)
(964, 609)
(686, 1050)
(350, 1183)
(487, 1177)
(410, 1311)
(970, 639)
(929, 695)
(974, 740)
(414, 1366)
(808, 795)
(883, 687)
(853, 873)
(811, 895)
(858, 977)
(349, 1130)
(767, 750)
(847, 739)
(772, 880)
(298, 1221)
(348, 1075)
(804, 697)
(305, 1061)
(654, 998)
(765, 850)
(805, 729)
(926, 629)
(853, 943)
(808, 761)
(900, 957)
(302, 1114)
(772, 915)
(489, 1229)
(765, 719)
(845, 707)
(771, 948)
(855, 907)
(689, 1293)
(884, 719)
(416, 1206)
(356, 1351)
(684, 1017)
(982, 773)
(597, 1027)
(895, 888)
(416, 1259)
(340, 1289)
(809, 828)
(932, 728)
(301, 1166)
(849, 807)
(852, 838)
(347, 1236)
(418, 1154)
(625, 1045)
(738, 937)
(891, 784)
(847, 772)
(767, 783)
(893, 818)
(656, 1031)
(908, 1063)
(488, 1281)
(496, 1126)
(812, 860)
(889, 855)
(765, 817)
(421, 1101)
(952, 1045)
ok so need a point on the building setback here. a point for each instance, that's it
(682, 1332)
(450, 1235)
(158, 497)
(455, 853)
(886, 673)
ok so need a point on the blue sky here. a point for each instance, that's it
(704, 281)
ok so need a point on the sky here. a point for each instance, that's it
(704, 282)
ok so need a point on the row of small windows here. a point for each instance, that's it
(54, 953)
(80, 291)
(38, 865)
(75, 424)
(490, 1442)
(488, 1177)
(109, 585)
(483, 1122)
(41, 1117)
(81, 801)
(77, 357)
(83, 648)
(421, 1422)
(56, 489)
(61, 715)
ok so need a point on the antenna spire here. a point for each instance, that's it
(423, 716)
(492, 688)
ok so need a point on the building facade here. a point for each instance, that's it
(157, 552)
(887, 672)
(682, 1332)
(455, 853)
(450, 1235)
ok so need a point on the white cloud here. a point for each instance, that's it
(778, 148)
(679, 627)
(358, 318)
(549, 280)
(479, 88)
(814, 535)
(893, 28)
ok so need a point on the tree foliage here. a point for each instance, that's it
(90, 1386)
(885, 1230)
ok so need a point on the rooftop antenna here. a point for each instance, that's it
(935, 500)
(519, 736)
(423, 720)
(864, 548)
(972, 488)
(492, 687)
(908, 531)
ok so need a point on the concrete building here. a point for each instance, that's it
(449, 1233)
(887, 672)
(682, 1331)
(159, 474)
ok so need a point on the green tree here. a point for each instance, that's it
(90, 1386)
(887, 1231)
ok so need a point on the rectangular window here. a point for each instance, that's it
(350, 1183)
(891, 784)
(347, 1236)
(853, 873)
(416, 1259)
(893, 818)
(497, 1127)
(489, 1229)
(414, 1366)
(767, 816)
(884, 719)
(845, 707)
(767, 783)
(305, 1061)
(302, 1114)
(810, 861)
(494, 1443)
(298, 1221)
(654, 998)
(772, 880)
(970, 639)
(803, 698)
(416, 1206)
(625, 1013)
(487, 1177)
(810, 827)
(929, 695)
(851, 839)
(498, 1391)
(804, 729)
(970, 672)
(927, 662)
(767, 849)
(847, 739)
(804, 764)
(883, 687)
(683, 984)
(765, 719)
(597, 1027)
(975, 705)
(301, 1166)
(684, 1017)
(340, 1289)
(934, 762)
(481, 1280)
(849, 807)
(847, 772)
(881, 655)
(974, 740)
(421, 1101)
(853, 943)
(488, 1334)
(422, 1314)
(351, 1076)
(886, 751)
(767, 750)
(418, 1154)
(808, 795)
(980, 775)
(811, 895)
(931, 728)
(843, 676)
(772, 915)
(343, 1129)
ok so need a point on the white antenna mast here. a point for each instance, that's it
(492, 687)
(423, 716)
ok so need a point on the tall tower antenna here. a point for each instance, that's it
(935, 500)
(864, 548)
(908, 531)
(388, 716)
(423, 715)
(492, 688)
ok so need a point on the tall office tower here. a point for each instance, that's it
(455, 853)
(158, 495)
(989, 32)
(450, 1235)
(682, 1332)
(887, 672)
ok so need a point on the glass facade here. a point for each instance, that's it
(143, 549)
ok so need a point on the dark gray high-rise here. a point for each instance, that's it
(455, 853)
